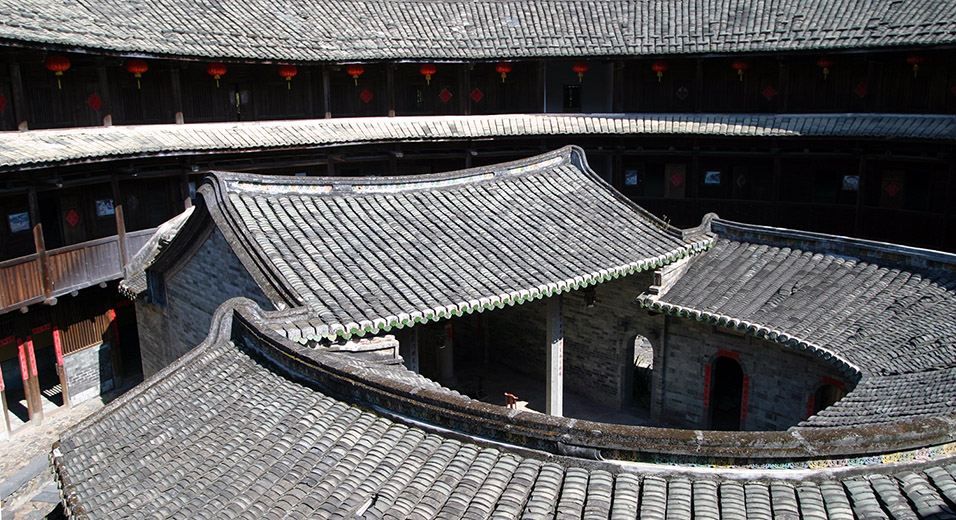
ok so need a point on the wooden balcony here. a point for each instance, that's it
(71, 268)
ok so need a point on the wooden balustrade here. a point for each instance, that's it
(72, 268)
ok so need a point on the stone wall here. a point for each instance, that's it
(780, 379)
(596, 339)
(213, 275)
(89, 373)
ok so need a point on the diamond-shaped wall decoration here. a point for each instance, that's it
(860, 89)
(73, 218)
(769, 92)
(677, 179)
(682, 93)
(444, 95)
(3, 102)
(892, 189)
(94, 101)
(366, 95)
(477, 95)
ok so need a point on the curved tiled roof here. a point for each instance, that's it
(244, 425)
(301, 30)
(48, 147)
(366, 254)
(885, 313)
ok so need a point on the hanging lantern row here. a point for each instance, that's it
(740, 66)
(580, 67)
(503, 69)
(826, 64)
(659, 67)
(427, 70)
(136, 67)
(57, 65)
(915, 60)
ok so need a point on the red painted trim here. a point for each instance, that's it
(7, 340)
(728, 354)
(706, 386)
(112, 314)
(42, 328)
(810, 405)
(835, 382)
(32, 354)
(744, 398)
(24, 373)
(57, 346)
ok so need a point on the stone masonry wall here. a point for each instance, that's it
(595, 338)
(781, 379)
(213, 275)
(89, 373)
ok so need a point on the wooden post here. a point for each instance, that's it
(120, 220)
(699, 87)
(39, 244)
(19, 102)
(6, 411)
(177, 94)
(413, 350)
(390, 88)
(618, 93)
(554, 398)
(60, 367)
(184, 189)
(115, 355)
(105, 93)
(543, 86)
(775, 186)
(950, 194)
(34, 382)
(858, 216)
(326, 93)
(783, 96)
(25, 375)
(310, 94)
(446, 356)
(464, 82)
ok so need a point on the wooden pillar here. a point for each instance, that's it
(617, 94)
(19, 101)
(554, 398)
(871, 101)
(413, 350)
(115, 355)
(39, 244)
(32, 383)
(60, 367)
(309, 93)
(105, 93)
(783, 79)
(446, 356)
(6, 411)
(25, 376)
(775, 186)
(326, 94)
(120, 220)
(699, 87)
(177, 94)
(543, 86)
(390, 88)
(464, 80)
(858, 216)
(184, 189)
(950, 195)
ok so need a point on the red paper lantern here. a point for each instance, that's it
(216, 70)
(427, 70)
(355, 71)
(136, 67)
(659, 67)
(915, 60)
(740, 66)
(580, 67)
(503, 69)
(288, 72)
(57, 65)
(826, 64)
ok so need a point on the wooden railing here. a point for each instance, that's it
(72, 268)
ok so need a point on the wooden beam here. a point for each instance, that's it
(19, 101)
(390, 88)
(184, 189)
(177, 94)
(105, 93)
(40, 244)
(120, 220)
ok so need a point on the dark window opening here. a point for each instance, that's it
(725, 394)
(572, 98)
(827, 395)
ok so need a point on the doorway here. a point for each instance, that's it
(726, 392)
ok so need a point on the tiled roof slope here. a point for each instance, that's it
(301, 30)
(365, 254)
(883, 312)
(223, 432)
(45, 147)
